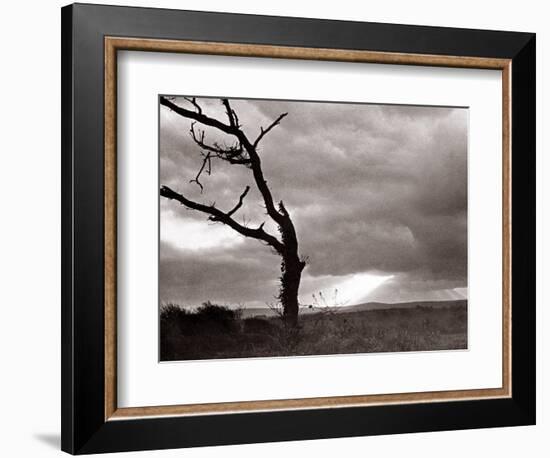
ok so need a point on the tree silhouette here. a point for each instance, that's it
(244, 152)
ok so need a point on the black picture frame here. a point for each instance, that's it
(84, 428)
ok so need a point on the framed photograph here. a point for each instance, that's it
(281, 228)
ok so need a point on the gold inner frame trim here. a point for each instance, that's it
(114, 44)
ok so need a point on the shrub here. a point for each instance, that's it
(216, 312)
(171, 312)
(207, 319)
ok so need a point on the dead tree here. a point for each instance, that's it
(244, 152)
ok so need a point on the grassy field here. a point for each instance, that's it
(214, 332)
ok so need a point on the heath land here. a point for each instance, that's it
(214, 332)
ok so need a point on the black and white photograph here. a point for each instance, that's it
(261, 229)
(294, 228)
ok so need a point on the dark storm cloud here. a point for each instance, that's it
(371, 188)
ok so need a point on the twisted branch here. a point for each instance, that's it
(218, 215)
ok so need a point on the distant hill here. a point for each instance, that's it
(306, 310)
(402, 305)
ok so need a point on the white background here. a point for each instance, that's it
(30, 230)
(142, 76)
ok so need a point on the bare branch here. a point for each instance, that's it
(193, 101)
(217, 215)
(263, 131)
(206, 161)
(240, 202)
(200, 117)
(236, 118)
(232, 116)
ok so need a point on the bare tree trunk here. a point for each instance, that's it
(291, 269)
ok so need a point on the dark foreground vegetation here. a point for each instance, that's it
(214, 332)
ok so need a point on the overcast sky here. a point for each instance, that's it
(378, 195)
